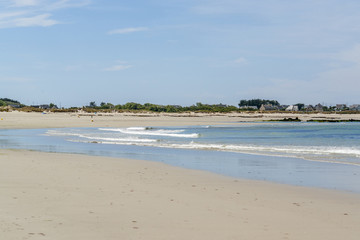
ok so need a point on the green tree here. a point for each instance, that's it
(300, 106)
(52, 105)
(257, 102)
(92, 105)
(132, 106)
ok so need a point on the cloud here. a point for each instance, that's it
(30, 13)
(117, 68)
(338, 84)
(42, 20)
(343, 79)
(21, 20)
(66, 4)
(21, 3)
(127, 30)
(289, 23)
(7, 15)
(241, 60)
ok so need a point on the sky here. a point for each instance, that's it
(72, 52)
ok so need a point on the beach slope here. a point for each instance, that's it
(64, 197)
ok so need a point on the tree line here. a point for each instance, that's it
(257, 103)
(244, 105)
(132, 106)
(8, 101)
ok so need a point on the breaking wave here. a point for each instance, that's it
(209, 138)
(152, 132)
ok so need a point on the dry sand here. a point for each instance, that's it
(64, 196)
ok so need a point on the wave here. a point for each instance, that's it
(298, 150)
(58, 133)
(99, 138)
(293, 151)
(122, 141)
(152, 132)
(157, 137)
(133, 132)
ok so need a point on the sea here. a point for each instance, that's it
(321, 155)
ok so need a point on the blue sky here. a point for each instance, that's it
(71, 52)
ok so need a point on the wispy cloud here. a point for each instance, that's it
(241, 60)
(338, 84)
(42, 20)
(327, 22)
(7, 15)
(29, 13)
(118, 67)
(67, 4)
(127, 30)
(21, 3)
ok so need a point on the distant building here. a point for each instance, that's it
(249, 107)
(292, 108)
(309, 108)
(43, 106)
(268, 107)
(319, 108)
(340, 107)
(355, 107)
(15, 105)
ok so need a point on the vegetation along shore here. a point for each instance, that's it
(253, 105)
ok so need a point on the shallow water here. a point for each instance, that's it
(272, 152)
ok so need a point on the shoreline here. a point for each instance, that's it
(22, 120)
(291, 170)
(73, 196)
(67, 196)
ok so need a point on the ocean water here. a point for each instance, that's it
(323, 155)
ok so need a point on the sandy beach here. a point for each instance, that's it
(67, 196)
(58, 120)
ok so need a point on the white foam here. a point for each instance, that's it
(93, 137)
(152, 132)
(122, 140)
(138, 136)
(58, 133)
(138, 128)
(301, 150)
(142, 131)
